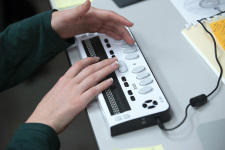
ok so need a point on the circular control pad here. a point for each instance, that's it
(149, 104)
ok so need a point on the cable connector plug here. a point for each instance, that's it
(198, 100)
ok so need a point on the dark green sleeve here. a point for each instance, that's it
(34, 136)
(27, 45)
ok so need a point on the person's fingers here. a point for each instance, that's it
(119, 30)
(110, 33)
(111, 26)
(111, 15)
(93, 68)
(118, 36)
(98, 76)
(80, 65)
(88, 95)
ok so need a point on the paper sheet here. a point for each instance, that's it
(203, 44)
(157, 147)
(219, 31)
(62, 4)
(193, 10)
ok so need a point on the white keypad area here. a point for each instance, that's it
(140, 72)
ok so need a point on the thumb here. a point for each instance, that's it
(82, 9)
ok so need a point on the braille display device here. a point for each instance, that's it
(134, 99)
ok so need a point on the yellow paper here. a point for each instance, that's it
(219, 31)
(62, 4)
(157, 147)
(203, 44)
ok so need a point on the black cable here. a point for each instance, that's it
(213, 16)
(217, 60)
(162, 126)
(200, 99)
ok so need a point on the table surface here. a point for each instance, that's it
(179, 70)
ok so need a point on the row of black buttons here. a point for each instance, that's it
(129, 91)
(124, 80)
(108, 45)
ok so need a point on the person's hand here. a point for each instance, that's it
(87, 19)
(74, 90)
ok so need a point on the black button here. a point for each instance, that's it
(108, 45)
(130, 92)
(113, 56)
(126, 84)
(144, 105)
(124, 79)
(111, 52)
(132, 98)
(148, 101)
(106, 40)
(150, 107)
(155, 102)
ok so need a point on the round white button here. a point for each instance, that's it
(132, 56)
(143, 75)
(122, 66)
(138, 69)
(125, 116)
(145, 90)
(130, 49)
(146, 81)
(118, 118)
(125, 45)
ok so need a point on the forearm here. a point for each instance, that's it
(34, 136)
(27, 45)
